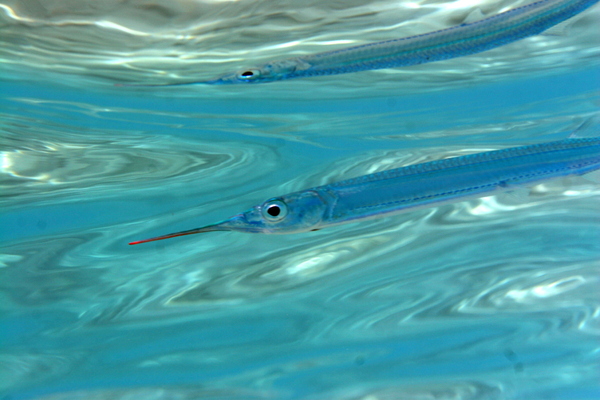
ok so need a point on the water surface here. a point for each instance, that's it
(493, 298)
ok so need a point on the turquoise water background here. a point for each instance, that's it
(495, 298)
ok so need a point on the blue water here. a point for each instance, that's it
(495, 298)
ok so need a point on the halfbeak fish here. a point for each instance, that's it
(412, 187)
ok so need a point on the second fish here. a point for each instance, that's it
(461, 40)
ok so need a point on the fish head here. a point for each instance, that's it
(270, 72)
(292, 213)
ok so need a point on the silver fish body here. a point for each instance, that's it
(461, 40)
(412, 187)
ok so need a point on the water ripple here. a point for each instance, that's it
(59, 161)
(153, 42)
(384, 302)
(492, 298)
(20, 370)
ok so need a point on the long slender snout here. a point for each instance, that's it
(240, 222)
(207, 228)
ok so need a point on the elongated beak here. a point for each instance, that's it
(236, 223)
(207, 228)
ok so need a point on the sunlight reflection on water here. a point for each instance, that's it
(491, 298)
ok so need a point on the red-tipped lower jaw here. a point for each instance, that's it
(209, 228)
(235, 223)
(169, 236)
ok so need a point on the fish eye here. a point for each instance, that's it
(274, 210)
(249, 75)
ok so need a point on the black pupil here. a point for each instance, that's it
(273, 211)
(247, 73)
